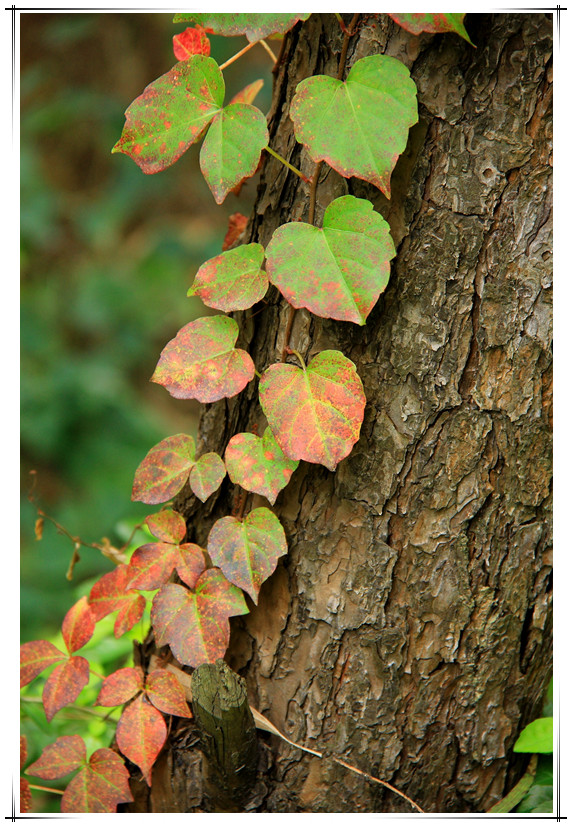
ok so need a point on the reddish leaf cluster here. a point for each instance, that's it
(193, 41)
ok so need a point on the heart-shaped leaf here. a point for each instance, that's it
(202, 363)
(254, 26)
(36, 656)
(247, 551)
(258, 464)
(166, 693)
(360, 126)
(195, 623)
(206, 475)
(141, 733)
(232, 147)
(172, 113)
(111, 593)
(337, 272)
(435, 23)
(193, 41)
(120, 686)
(64, 684)
(233, 280)
(78, 625)
(315, 412)
(100, 786)
(249, 93)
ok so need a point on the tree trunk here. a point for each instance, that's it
(408, 630)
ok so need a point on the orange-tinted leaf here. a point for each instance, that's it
(64, 684)
(236, 226)
(141, 733)
(113, 593)
(39, 528)
(191, 42)
(164, 470)
(25, 796)
(249, 93)
(202, 363)
(434, 23)
(195, 623)
(167, 525)
(153, 564)
(254, 26)
(98, 787)
(315, 412)
(60, 758)
(247, 550)
(206, 475)
(36, 656)
(166, 693)
(233, 280)
(78, 625)
(120, 686)
(258, 464)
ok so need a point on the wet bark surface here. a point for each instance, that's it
(408, 630)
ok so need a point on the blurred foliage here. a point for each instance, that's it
(107, 256)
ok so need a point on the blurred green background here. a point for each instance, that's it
(107, 256)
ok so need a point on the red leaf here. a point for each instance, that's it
(120, 686)
(36, 656)
(247, 550)
(166, 693)
(236, 226)
(64, 684)
(25, 796)
(60, 758)
(111, 593)
(249, 93)
(78, 625)
(195, 624)
(167, 525)
(141, 733)
(151, 565)
(207, 475)
(315, 412)
(23, 750)
(191, 42)
(202, 363)
(100, 786)
(164, 470)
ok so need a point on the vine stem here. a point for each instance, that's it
(247, 48)
(287, 164)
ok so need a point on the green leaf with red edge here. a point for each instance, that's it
(315, 412)
(195, 623)
(236, 226)
(337, 272)
(172, 113)
(78, 625)
(65, 755)
(247, 550)
(206, 475)
(166, 693)
(193, 41)
(202, 363)
(112, 593)
(141, 733)
(64, 684)
(249, 93)
(232, 147)
(120, 686)
(36, 656)
(254, 26)
(434, 23)
(258, 464)
(358, 126)
(233, 280)
(100, 786)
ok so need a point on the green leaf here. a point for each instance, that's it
(315, 412)
(337, 272)
(536, 737)
(232, 280)
(435, 23)
(172, 113)
(202, 363)
(539, 799)
(232, 147)
(258, 464)
(360, 126)
(247, 550)
(195, 623)
(254, 26)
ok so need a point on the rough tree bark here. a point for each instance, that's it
(408, 630)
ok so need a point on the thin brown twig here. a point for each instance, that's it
(376, 781)
(237, 55)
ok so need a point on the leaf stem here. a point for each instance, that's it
(237, 55)
(267, 48)
(286, 164)
(45, 789)
(300, 359)
(288, 333)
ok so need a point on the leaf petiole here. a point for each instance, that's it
(45, 789)
(286, 164)
(247, 48)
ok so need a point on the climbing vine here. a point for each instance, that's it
(314, 411)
